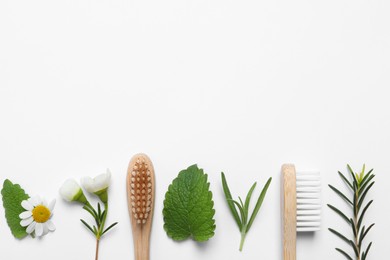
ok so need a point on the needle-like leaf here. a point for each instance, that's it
(344, 253)
(229, 199)
(340, 213)
(339, 235)
(340, 194)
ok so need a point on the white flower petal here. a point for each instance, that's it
(88, 184)
(45, 229)
(25, 214)
(27, 205)
(38, 229)
(50, 225)
(31, 227)
(69, 189)
(52, 204)
(98, 183)
(36, 200)
(44, 203)
(26, 222)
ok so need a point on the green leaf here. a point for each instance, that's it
(366, 252)
(345, 180)
(361, 189)
(340, 194)
(248, 198)
(353, 175)
(13, 195)
(364, 195)
(111, 226)
(188, 206)
(89, 227)
(258, 204)
(362, 214)
(344, 253)
(365, 233)
(340, 213)
(229, 199)
(339, 235)
(242, 212)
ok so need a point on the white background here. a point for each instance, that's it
(235, 86)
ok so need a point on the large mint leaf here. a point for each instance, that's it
(188, 206)
(13, 195)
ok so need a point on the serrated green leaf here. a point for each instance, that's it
(189, 207)
(13, 195)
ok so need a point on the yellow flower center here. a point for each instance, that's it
(41, 214)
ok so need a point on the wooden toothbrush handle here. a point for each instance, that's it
(141, 244)
(289, 211)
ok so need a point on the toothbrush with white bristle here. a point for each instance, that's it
(301, 206)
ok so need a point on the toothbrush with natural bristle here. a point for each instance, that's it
(140, 199)
(301, 206)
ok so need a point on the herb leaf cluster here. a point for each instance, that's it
(358, 185)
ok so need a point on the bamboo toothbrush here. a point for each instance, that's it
(301, 206)
(140, 199)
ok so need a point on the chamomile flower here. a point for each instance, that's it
(37, 217)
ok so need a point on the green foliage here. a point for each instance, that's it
(13, 195)
(244, 222)
(359, 186)
(99, 216)
(188, 206)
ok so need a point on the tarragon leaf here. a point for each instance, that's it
(188, 206)
(13, 195)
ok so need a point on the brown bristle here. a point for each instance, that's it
(141, 190)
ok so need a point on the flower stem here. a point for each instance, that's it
(97, 249)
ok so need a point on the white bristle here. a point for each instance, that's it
(308, 186)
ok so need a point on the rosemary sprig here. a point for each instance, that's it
(360, 184)
(244, 222)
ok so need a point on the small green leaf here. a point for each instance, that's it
(89, 227)
(366, 252)
(111, 226)
(362, 214)
(228, 196)
(364, 195)
(339, 235)
(13, 195)
(248, 198)
(353, 175)
(340, 194)
(340, 213)
(344, 253)
(365, 233)
(345, 180)
(258, 204)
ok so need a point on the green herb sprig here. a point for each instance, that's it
(361, 183)
(244, 222)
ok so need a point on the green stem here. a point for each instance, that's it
(243, 235)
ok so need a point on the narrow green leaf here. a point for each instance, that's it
(362, 188)
(111, 226)
(90, 211)
(354, 231)
(366, 252)
(99, 210)
(248, 198)
(365, 233)
(344, 253)
(88, 226)
(345, 180)
(339, 235)
(340, 194)
(366, 176)
(340, 213)
(258, 204)
(364, 195)
(228, 196)
(361, 238)
(362, 214)
(242, 212)
(353, 175)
